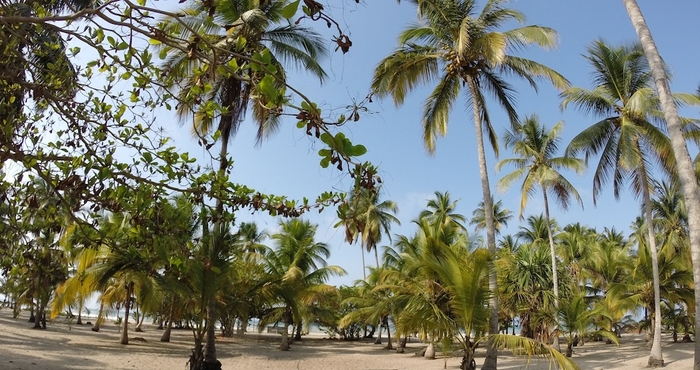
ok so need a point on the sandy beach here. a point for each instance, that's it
(23, 348)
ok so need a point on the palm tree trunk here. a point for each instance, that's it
(656, 358)
(210, 362)
(686, 174)
(166, 334)
(379, 336)
(376, 256)
(555, 276)
(80, 312)
(491, 352)
(127, 305)
(364, 268)
(98, 320)
(297, 334)
(388, 334)
(142, 317)
(285, 333)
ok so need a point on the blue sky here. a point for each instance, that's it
(287, 163)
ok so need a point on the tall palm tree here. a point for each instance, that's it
(456, 45)
(625, 138)
(680, 151)
(537, 165)
(243, 29)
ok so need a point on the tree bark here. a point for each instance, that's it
(388, 335)
(379, 336)
(364, 268)
(686, 174)
(127, 305)
(491, 352)
(555, 276)
(285, 333)
(98, 320)
(210, 362)
(656, 356)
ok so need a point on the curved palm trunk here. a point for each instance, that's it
(98, 320)
(379, 336)
(555, 275)
(686, 174)
(127, 305)
(376, 256)
(388, 334)
(491, 352)
(656, 358)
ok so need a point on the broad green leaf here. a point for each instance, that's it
(291, 9)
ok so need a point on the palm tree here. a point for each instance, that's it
(364, 215)
(501, 216)
(297, 273)
(454, 36)
(245, 29)
(680, 151)
(537, 164)
(625, 138)
(441, 211)
(578, 320)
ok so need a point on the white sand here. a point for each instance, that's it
(22, 348)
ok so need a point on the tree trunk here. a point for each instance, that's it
(388, 334)
(491, 352)
(555, 276)
(430, 352)
(376, 256)
(210, 362)
(127, 305)
(80, 312)
(168, 330)
(686, 172)
(37, 315)
(98, 320)
(137, 318)
(140, 322)
(364, 268)
(379, 336)
(32, 317)
(297, 335)
(656, 356)
(285, 333)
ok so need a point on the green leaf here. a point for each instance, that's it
(325, 161)
(154, 42)
(357, 150)
(291, 9)
(267, 88)
(301, 124)
(327, 138)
